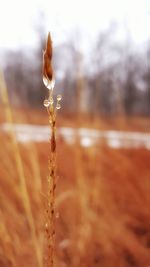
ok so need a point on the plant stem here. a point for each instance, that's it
(50, 223)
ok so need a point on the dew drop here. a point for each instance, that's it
(49, 84)
(59, 97)
(46, 103)
(58, 106)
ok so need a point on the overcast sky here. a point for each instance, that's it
(18, 18)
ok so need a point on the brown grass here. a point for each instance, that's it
(102, 199)
(39, 116)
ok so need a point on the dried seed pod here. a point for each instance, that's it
(48, 75)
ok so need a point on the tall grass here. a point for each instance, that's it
(103, 199)
(48, 79)
(19, 166)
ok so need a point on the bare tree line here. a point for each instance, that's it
(115, 79)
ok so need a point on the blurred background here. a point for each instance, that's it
(102, 70)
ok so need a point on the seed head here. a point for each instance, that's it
(48, 75)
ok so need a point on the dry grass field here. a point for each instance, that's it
(102, 200)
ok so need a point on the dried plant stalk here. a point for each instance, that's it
(48, 79)
(20, 170)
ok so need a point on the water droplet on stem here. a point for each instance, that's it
(59, 97)
(46, 103)
(58, 106)
(49, 84)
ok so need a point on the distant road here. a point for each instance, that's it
(87, 137)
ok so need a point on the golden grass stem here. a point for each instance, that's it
(19, 165)
(50, 217)
(49, 82)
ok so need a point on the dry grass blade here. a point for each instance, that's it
(19, 166)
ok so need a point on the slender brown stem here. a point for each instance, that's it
(48, 79)
(50, 218)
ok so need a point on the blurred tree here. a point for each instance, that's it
(15, 73)
(133, 84)
(104, 65)
(146, 78)
(110, 83)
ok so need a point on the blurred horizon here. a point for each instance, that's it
(101, 54)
